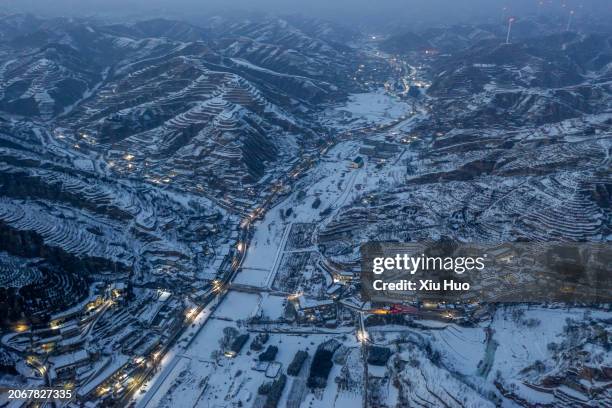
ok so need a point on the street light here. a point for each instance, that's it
(569, 20)
(190, 314)
(217, 286)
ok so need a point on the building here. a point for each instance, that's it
(379, 150)
(315, 310)
(66, 364)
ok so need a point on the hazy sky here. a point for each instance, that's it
(349, 10)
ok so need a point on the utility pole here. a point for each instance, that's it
(569, 20)
(510, 21)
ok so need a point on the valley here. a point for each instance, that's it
(182, 209)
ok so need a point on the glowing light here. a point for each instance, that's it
(48, 347)
(294, 296)
(362, 336)
(217, 286)
(128, 157)
(191, 313)
(21, 327)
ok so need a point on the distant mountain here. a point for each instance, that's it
(405, 43)
(159, 28)
(45, 82)
(296, 47)
(547, 62)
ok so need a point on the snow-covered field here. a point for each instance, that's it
(335, 184)
(204, 377)
(328, 182)
(376, 107)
